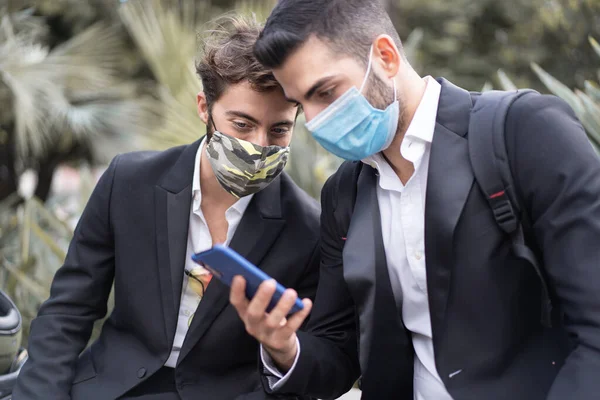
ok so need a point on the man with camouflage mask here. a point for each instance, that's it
(172, 334)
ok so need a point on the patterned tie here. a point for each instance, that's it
(199, 278)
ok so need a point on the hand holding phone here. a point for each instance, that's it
(224, 263)
(271, 314)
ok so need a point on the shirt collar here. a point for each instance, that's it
(239, 206)
(422, 125)
(418, 135)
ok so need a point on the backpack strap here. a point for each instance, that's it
(345, 184)
(491, 167)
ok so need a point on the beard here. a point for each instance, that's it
(380, 95)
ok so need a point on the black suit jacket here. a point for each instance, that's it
(484, 302)
(133, 232)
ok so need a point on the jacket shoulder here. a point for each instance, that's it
(148, 166)
(532, 107)
(340, 183)
(299, 205)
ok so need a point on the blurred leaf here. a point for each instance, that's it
(487, 87)
(585, 104)
(559, 89)
(505, 82)
(590, 118)
(48, 241)
(595, 45)
(32, 287)
(592, 90)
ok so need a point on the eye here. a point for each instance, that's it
(326, 94)
(241, 125)
(280, 131)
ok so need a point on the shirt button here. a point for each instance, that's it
(186, 313)
(418, 255)
(141, 373)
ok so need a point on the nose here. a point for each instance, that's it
(260, 137)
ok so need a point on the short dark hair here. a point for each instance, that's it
(227, 57)
(349, 26)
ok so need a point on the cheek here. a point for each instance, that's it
(311, 111)
(286, 141)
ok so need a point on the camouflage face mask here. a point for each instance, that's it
(244, 168)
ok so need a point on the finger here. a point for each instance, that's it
(237, 295)
(283, 307)
(258, 305)
(296, 320)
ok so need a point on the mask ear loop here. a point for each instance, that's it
(368, 69)
(211, 121)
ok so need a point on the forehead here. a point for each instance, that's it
(263, 106)
(314, 60)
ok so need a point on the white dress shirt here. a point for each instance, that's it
(199, 239)
(402, 210)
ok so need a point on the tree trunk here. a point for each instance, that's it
(9, 181)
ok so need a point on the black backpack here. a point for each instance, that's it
(489, 160)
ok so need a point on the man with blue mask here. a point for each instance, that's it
(425, 291)
(352, 128)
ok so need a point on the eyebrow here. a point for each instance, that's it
(312, 90)
(250, 118)
(242, 115)
(318, 84)
(287, 122)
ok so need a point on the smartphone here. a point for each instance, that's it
(224, 263)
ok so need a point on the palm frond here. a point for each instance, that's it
(73, 93)
(167, 41)
(23, 22)
(558, 88)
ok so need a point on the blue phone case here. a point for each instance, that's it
(224, 263)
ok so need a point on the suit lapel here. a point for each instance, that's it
(364, 243)
(450, 179)
(380, 325)
(173, 197)
(259, 228)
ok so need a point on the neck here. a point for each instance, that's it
(412, 90)
(213, 194)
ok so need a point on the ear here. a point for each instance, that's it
(387, 55)
(202, 107)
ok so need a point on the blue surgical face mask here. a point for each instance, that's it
(351, 128)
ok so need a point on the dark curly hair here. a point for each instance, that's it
(226, 57)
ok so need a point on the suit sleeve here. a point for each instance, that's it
(557, 174)
(309, 280)
(327, 366)
(78, 297)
